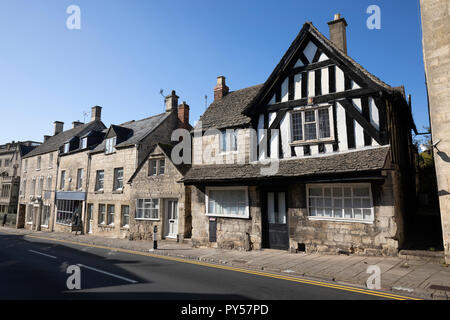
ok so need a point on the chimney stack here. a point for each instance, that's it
(221, 89)
(183, 115)
(171, 102)
(96, 113)
(46, 137)
(59, 126)
(338, 32)
(76, 124)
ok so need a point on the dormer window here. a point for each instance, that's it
(110, 145)
(66, 147)
(84, 143)
(228, 140)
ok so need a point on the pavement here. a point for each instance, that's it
(411, 273)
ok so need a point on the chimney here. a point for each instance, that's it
(76, 124)
(59, 126)
(171, 102)
(221, 89)
(183, 115)
(338, 33)
(96, 113)
(46, 137)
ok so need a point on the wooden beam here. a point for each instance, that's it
(312, 66)
(350, 94)
(355, 114)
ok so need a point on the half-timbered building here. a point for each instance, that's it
(318, 158)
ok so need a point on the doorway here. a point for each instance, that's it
(276, 235)
(171, 223)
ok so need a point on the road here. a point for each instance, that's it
(33, 268)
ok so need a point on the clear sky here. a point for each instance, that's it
(127, 50)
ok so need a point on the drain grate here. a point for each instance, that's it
(437, 287)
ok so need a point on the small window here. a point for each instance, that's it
(125, 216)
(7, 162)
(110, 145)
(84, 143)
(118, 179)
(49, 183)
(66, 147)
(99, 180)
(63, 179)
(110, 218)
(33, 187)
(162, 164)
(228, 140)
(38, 163)
(25, 165)
(101, 213)
(80, 173)
(311, 125)
(153, 166)
(23, 189)
(50, 160)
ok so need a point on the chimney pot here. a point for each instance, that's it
(96, 113)
(221, 89)
(171, 102)
(338, 32)
(59, 127)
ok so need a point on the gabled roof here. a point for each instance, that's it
(138, 129)
(55, 142)
(167, 150)
(368, 160)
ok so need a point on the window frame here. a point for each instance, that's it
(247, 205)
(84, 143)
(38, 163)
(302, 111)
(122, 215)
(116, 179)
(148, 219)
(101, 213)
(62, 180)
(109, 220)
(110, 145)
(341, 185)
(230, 146)
(80, 178)
(97, 180)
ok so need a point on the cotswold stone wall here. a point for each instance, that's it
(380, 238)
(231, 233)
(436, 48)
(160, 187)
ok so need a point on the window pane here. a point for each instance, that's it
(310, 116)
(315, 192)
(310, 131)
(361, 192)
(297, 127)
(324, 123)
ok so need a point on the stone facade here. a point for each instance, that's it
(164, 187)
(436, 46)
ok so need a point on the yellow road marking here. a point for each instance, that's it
(259, 273)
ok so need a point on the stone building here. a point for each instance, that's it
(317, 158)
(436, 50)
(40, 174)
(159, 198)
(113, 162)
(10, 166)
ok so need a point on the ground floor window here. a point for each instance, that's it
(101, 213)
(227, 202)
(30, 214)
(125, 219)
(67, 210)
(45, 216)
(111, 211)
(147, 209)
(341, 202)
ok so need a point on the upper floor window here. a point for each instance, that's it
(156, 167)
(6, 162)
(66, 147)
(25, 165)
(84, 143)
(33, 186)
(340, 202)
(38, 163)
(118, 178)
(80, 173)
(23, 189)
(49, 183)
(110, 145)
(228, 140)
(312, 125)
(63, 179)
(99, 180)
(162, 166)
(50, 160)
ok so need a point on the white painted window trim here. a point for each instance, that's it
(247, 208)
(148, 219)
(331, 185)
(316, 109)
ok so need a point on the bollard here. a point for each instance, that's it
(155, 241)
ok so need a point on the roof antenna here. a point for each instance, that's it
(206, 101)
(85, 114)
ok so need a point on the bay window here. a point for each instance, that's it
(227, 202)
(352, 202)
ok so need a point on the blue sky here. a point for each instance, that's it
(126, 51)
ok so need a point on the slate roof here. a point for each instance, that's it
(351, 162)
(140, 129)
(227, 112)
(55, 142)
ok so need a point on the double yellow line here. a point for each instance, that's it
(258, 273)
